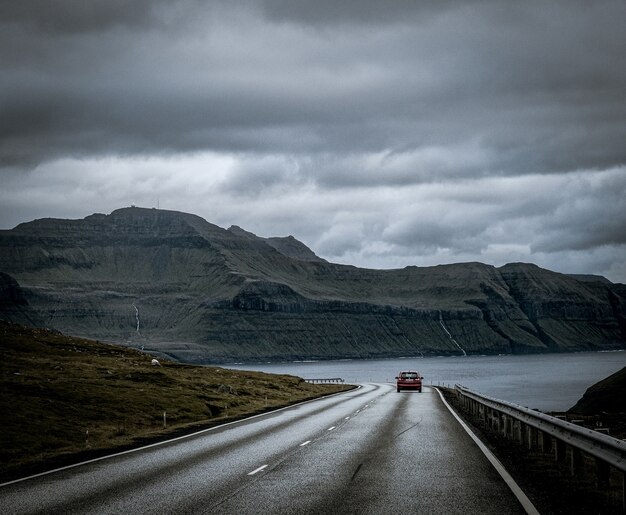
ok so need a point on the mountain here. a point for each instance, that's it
(179, 285)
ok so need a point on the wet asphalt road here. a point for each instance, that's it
(370, 450)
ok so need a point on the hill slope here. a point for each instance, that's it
(179, 285)
(606, 396)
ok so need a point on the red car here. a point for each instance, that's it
(409, 380)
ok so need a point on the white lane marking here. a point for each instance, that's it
(257, 470)
(347, 418)
(357, 411)
(305, 443)
(331, 428)
(171, 440)
(515, 488)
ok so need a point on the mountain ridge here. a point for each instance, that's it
(197, 292)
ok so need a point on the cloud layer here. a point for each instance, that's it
(381, 134)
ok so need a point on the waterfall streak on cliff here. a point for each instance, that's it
(449, 335)
(136, 316)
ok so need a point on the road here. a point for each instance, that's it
(370, 450)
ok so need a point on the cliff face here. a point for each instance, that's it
(178, 284)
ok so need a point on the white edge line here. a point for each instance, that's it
(166, 442)
(257, 470)
(305, 443)
(515, 488)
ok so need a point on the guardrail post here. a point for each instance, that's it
(505, 426)
(492, 420)
(559, 450)
(576, 460)
(531, 434)
(541, 441)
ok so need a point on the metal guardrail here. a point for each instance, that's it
(326, 380)
(531, 428)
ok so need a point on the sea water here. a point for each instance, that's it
(548, 382)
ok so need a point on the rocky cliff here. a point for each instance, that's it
(175, 283)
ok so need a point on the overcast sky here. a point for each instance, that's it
(381, 134)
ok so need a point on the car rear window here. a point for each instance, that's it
(408, 375)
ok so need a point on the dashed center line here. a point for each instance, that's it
(347, 418)
(257, 470)
(305, 443)
(331, 428)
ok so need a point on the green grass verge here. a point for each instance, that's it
(65, 399)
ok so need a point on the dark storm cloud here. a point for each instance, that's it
(79, 16)
(353, 12)
(382, 131)
(541, 90)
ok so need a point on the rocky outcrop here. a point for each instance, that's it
(186, 288)
(288, 246)
(293, 248)
(14, 306)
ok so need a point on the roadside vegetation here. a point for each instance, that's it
(66, 399)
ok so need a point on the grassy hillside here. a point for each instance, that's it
(604, 405)
(66, 399)
(606, 396)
